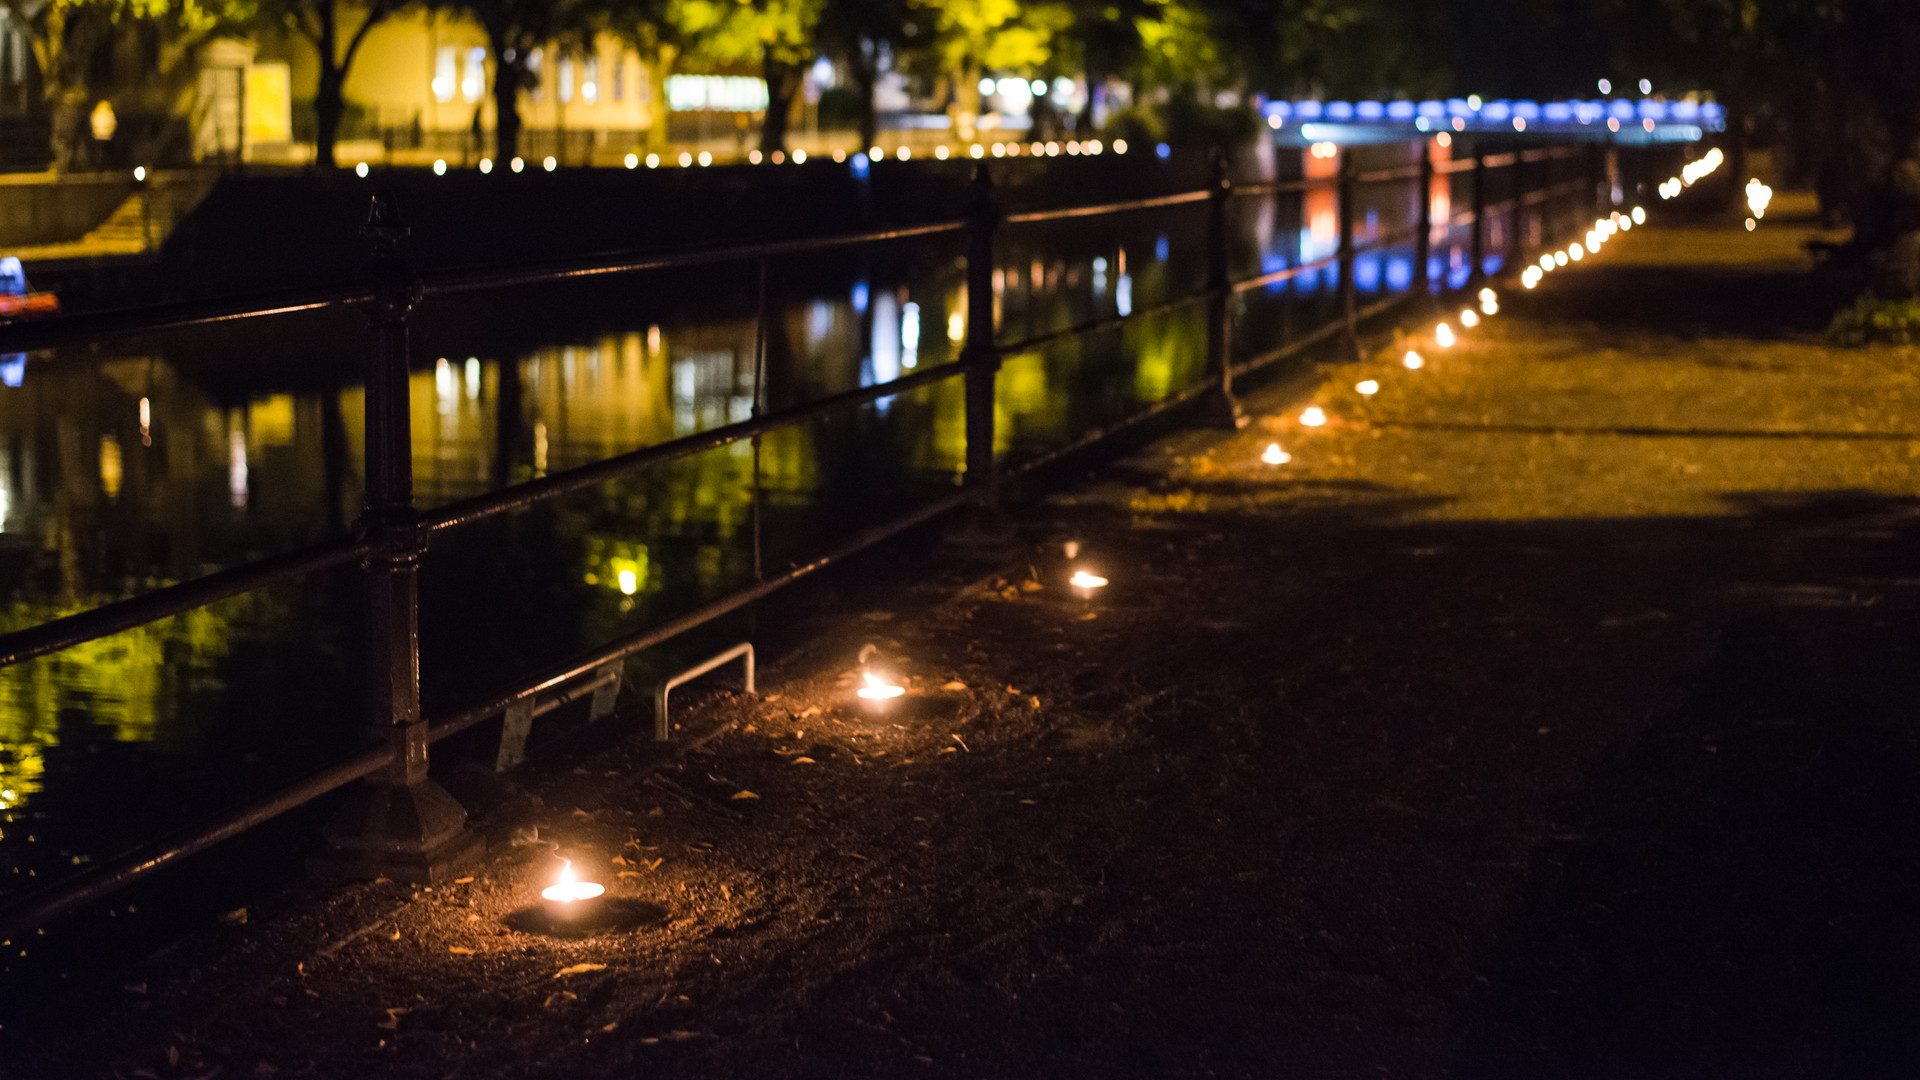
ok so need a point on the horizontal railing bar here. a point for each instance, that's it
(1284, 187)
(1094, 326)
(473, 714)
(1314, 337)
(1501, 161)
(1384, 176)
(1387, 240)
(481, 507)
(1285, 273)
(115, 874)
(1029, 217)
(59, 330)
(66, 329)
(451, 282)
(149, 607)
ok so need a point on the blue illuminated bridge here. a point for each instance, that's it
(1626, 121)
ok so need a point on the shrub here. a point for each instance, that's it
(1874, 320)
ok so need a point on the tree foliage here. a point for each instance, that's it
(139, 55)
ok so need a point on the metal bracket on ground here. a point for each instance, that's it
(662, 731)
(517, 720)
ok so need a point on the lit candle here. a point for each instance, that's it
(1273, 455)
(877, 690)
(1469, 318)
(569, 897)
(1367, 387)
(1443, 336)
(1085, 582)
(1313, 416)
(1413, 360)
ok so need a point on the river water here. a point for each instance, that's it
(153, 461)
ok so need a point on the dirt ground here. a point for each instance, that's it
(1549, 715)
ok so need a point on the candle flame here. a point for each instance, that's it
(1083, 579)
(1313, 416)
(567, 888)
(1413, 360)
(1273, 455)
(1443, 336)
(879, 688)
(1367, 387)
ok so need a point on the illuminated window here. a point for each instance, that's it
(619, 78)
(474, 82)
(444, 66)
(590, 80)
(533, 75)
(563, 71)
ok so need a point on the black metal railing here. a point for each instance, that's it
(390, 540)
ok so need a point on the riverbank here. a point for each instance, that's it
(1547, 715)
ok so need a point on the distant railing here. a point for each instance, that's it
(390, 539)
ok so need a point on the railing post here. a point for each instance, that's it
(145, 184)
(1517, 231)
(1423, 226)
(1347, 296)
(1222, 407)
(1477, 246)
(1597, 177)
(985, 526)
(400, 824)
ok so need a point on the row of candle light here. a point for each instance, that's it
(1692, 173)
(1445, 337)
(688, 159)
(1759, 195)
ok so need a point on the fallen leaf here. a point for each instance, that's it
(954, 685)
(608, 1027)
(468, 880)
(578, 969)
(745, 795)
(1030, 585)
(395, 936)
(460, 950)
(804, 761)
(392, 1022)
(238, 917)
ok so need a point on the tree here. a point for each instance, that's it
(653, 29)
(776, 34)
(973, 37)
(132, 52)
(325, 25)
(862, 33)
(515, 30)
(1838, 73)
